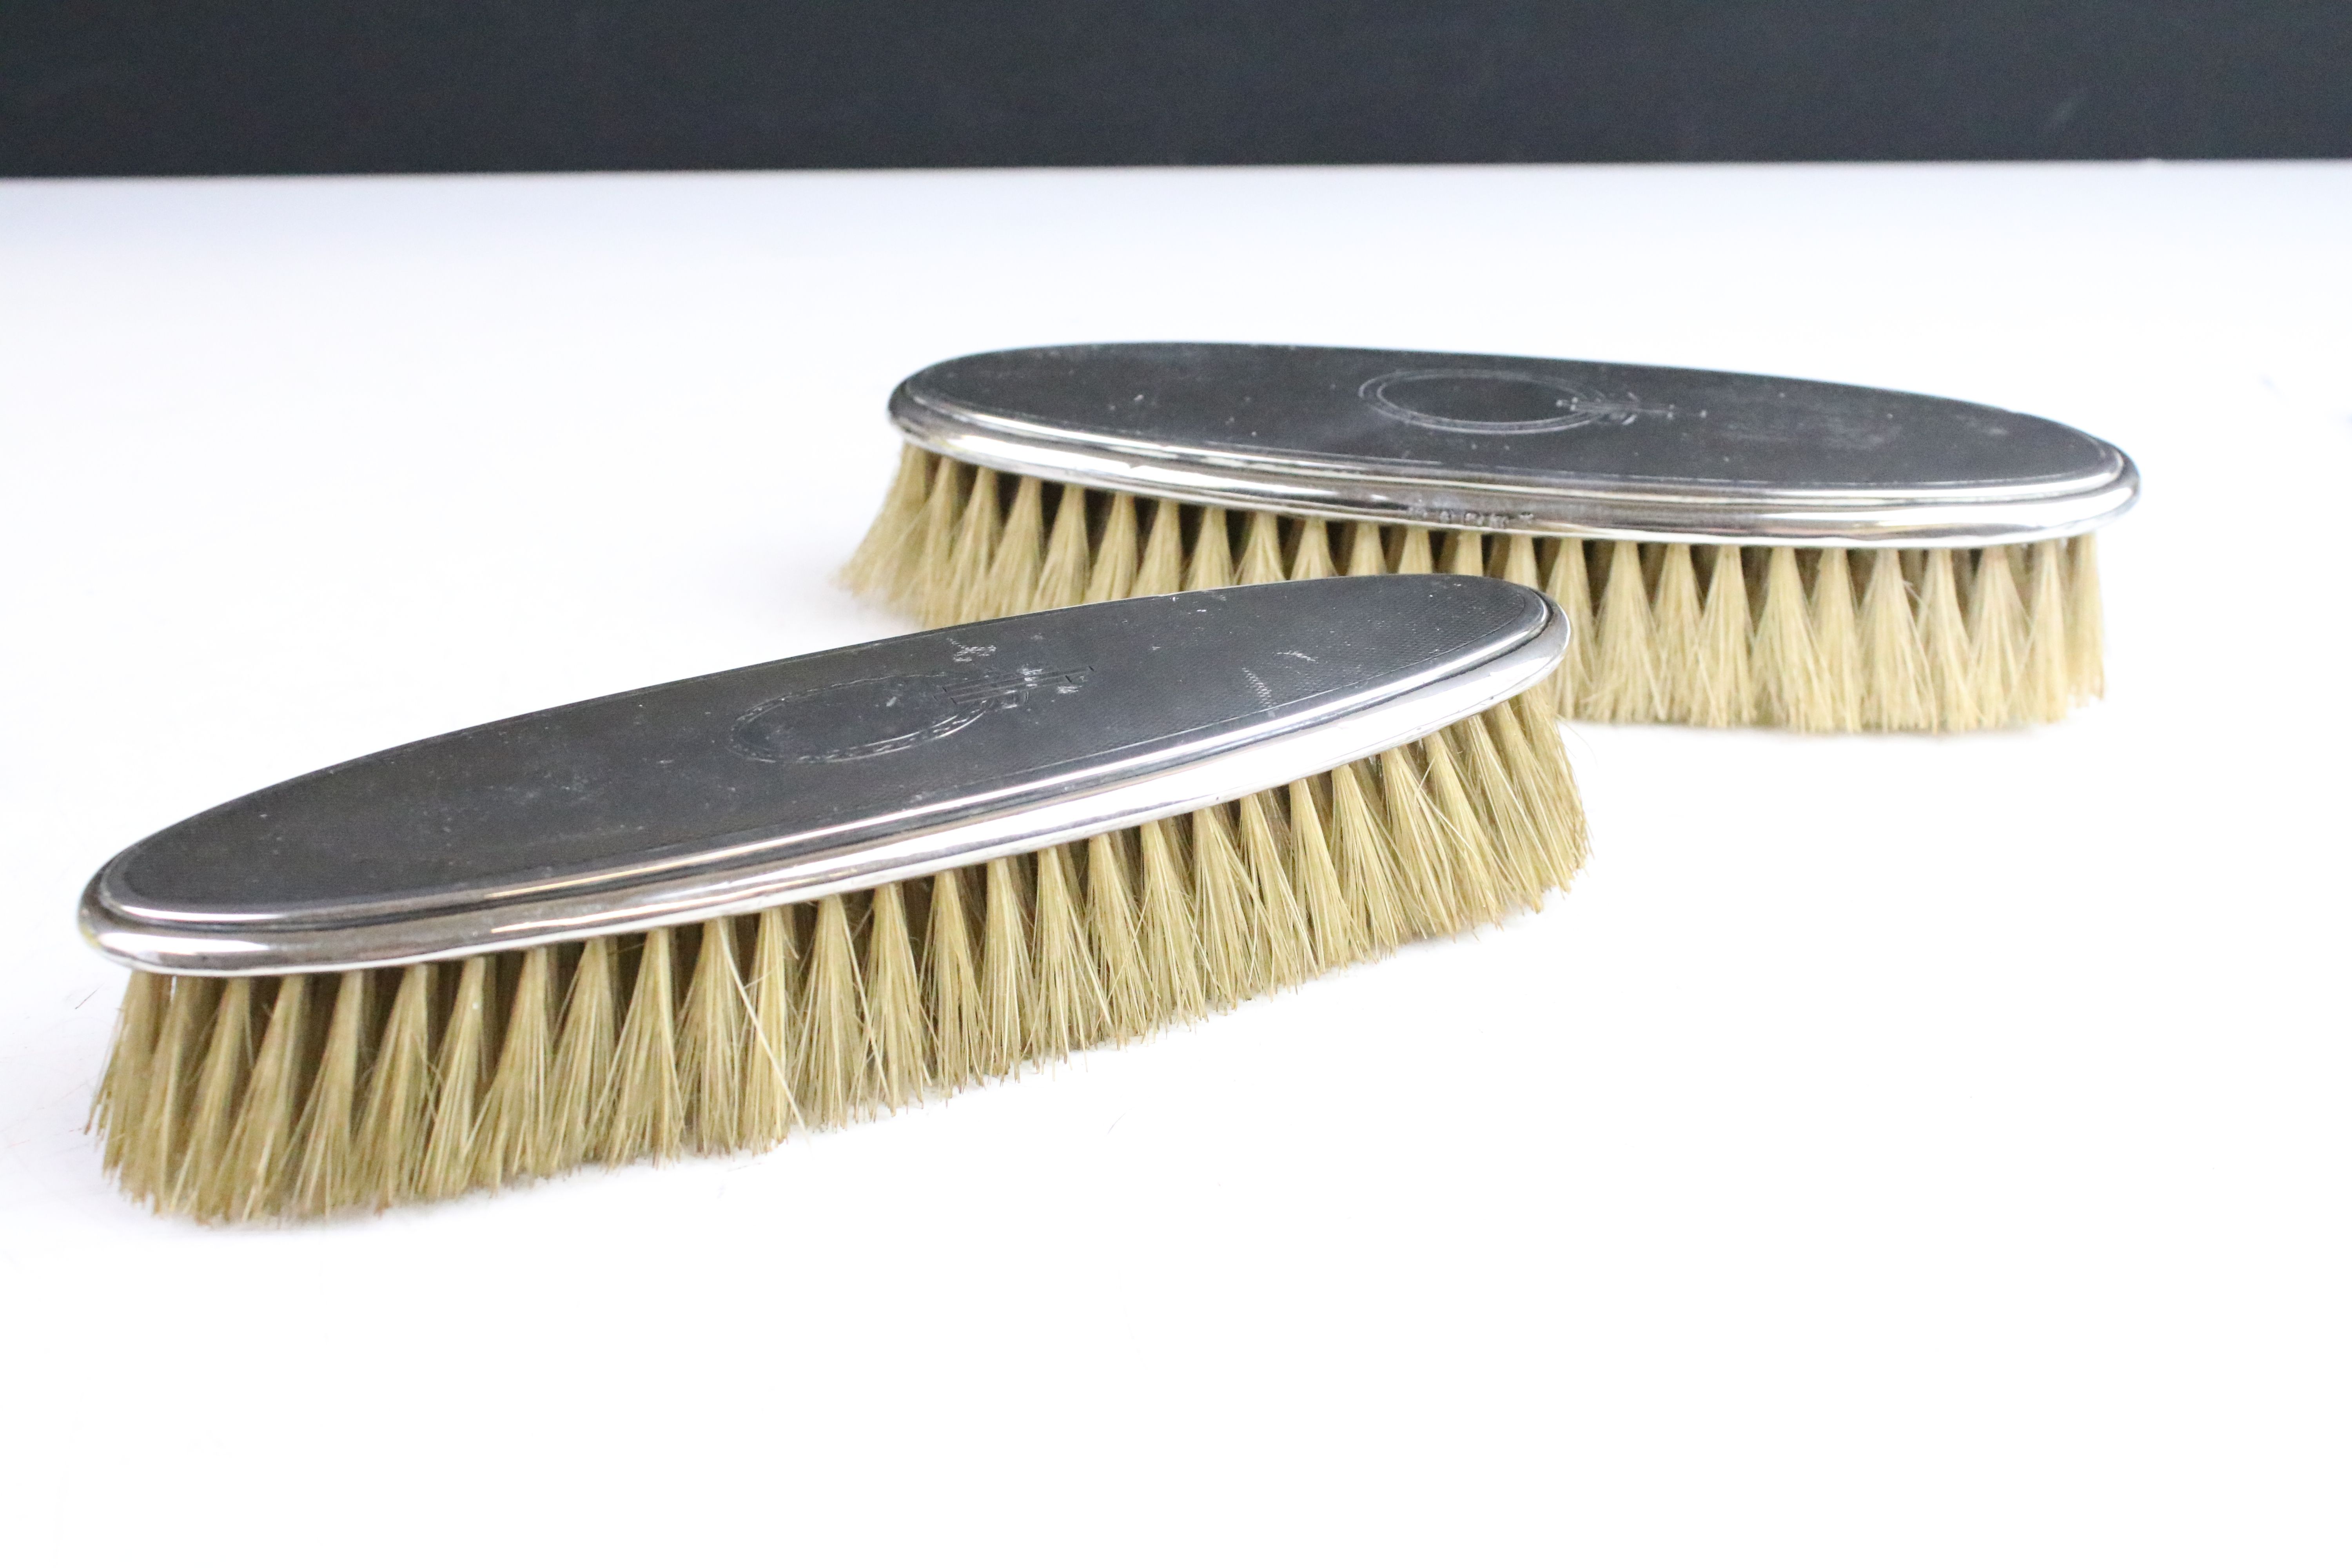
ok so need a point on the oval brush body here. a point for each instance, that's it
(1731, 549)
(699, 915)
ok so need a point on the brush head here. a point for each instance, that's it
(1519, 445)
(817, 776)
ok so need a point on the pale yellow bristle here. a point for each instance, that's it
(2086, 675)
(1165, 929)
(1162, 567)
(1312, 558)
(890, 556)
(1464, 554)
(1425, 872)
(1062, 581)
(1791, 689)
(1223, 903)
(1538, 767)
(768, 1107)
(239, 1101)
(122, 1091)
(460, 1075)
(898, 1069)
(1111, 925)
(149, 1168)
(514, 1137)
(1944, 643)
(951, 977)
(1018, 559)
(1071, 1010)
(1997, 634)
(646, 1119)
(2042, 692)
(962, 592)
(934, 593)
(1365, 864)
(1676, 620)
(1474, 882)
(1004, 968)
(220, 1083)
(828, 1051)
(1261, 559)
(399, 1094)
(1280, 936)
(1331, 920)
(1727, 687)
(1212, 562)
(713, 1032)
(1624, 675)
(1836, 643)
(1569, 581)
(584, 1055)
(1515, 561)
(327, 1178)
(1679, 640)
(254, 1166)
(1895, 694)
(1112, 575)
(1412, 552)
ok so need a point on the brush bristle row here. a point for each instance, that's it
(255, 1099)
(1800, 639)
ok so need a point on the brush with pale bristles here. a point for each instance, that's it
(1730, 549)
(700, 915)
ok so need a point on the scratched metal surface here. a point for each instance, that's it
(829, 770)
(1529, 445)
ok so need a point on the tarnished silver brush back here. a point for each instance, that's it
(820, 775)
(1519, 445)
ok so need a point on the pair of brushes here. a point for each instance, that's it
(697, 916)
(1730, 549)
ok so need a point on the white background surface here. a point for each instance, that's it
(1894, 1151)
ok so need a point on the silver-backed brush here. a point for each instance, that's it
(698, 915)
(1732, 548)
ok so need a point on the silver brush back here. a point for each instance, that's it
(824, 773)
(1508, 444)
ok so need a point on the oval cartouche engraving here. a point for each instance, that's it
(1473, 402)
(886, 713)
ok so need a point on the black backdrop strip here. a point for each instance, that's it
(172, 87)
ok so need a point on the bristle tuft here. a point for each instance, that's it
(1210, 564)
(1062, 581)
(828, 1050)
(1116, 560)
(2086, 675)
(1018, 558)
(1836, 643)
(1624, 677)
(713, 1034)
(900, 1070)
(448, 1167)
(399, 1094)
(1312, 556)
(515, 1136)
(1790, 687)
(1162, 567)
(1944, 643)
(122, 1089)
